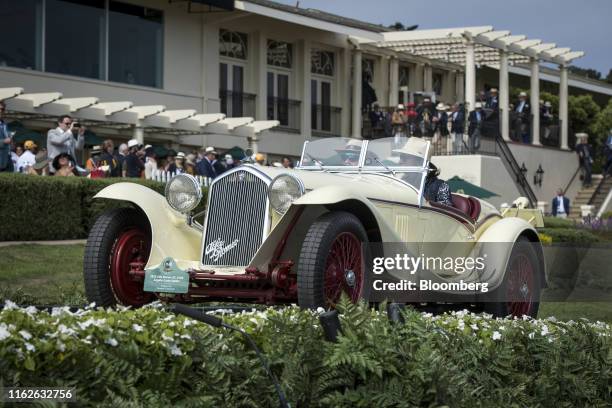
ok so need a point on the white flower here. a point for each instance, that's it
(166, 337)
(461, 324)
(496, 335)
(544, 330)
(25, 334)
(320, 310)
(91, 305)
(31, 310)
(29, 346)
(8, 305)
(4, 333)
(188, 322)
(175, 350)
(66, 330)
(185, 336)
(531, 335)
(61, 346)
(474, 326)
(111, 342)
(137, 327)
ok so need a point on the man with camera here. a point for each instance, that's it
(67, 137)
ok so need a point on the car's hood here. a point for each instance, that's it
(372, 186)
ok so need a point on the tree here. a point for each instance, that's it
(585, 72)
(399, 26)
(603, 122)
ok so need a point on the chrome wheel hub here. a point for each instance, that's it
(349, 277)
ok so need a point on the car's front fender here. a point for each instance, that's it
(497, 243)
(171, 236)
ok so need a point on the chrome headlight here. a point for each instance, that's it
(283, 190)
(183, 193)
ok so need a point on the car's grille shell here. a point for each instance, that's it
(236, 219)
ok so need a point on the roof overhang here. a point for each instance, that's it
(307, 21)
(115, 116)
(449, 45)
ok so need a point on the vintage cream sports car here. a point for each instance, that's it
(272, 235)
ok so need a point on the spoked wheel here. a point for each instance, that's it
(118, 238)
(519, 293)
(333, 260)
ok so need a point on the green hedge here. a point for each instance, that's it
(554, 222)
(148, 357)
(53, 208)
(570, 235)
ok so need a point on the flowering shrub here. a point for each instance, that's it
(150, 357)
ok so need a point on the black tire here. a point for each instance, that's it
(500, 303)
(313, 261)
(100, 249)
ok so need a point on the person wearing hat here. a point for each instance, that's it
(41, 166)
(178, 166)
(546, 118)
(6, 162)
(608, 155)
(585, 158)
(229, 162)
(493, 101)
(425, 113)
(190, 164)
(205, 167)
(133, 165)
(435, 189)
(439, 121)
(260, 159)
(475, 119)
(523, 111)
(108, 158)
(457, 127)
(398, 121)
(64, 166)
(28, 157)
(150, 162)
(93, 162)
(349, 154)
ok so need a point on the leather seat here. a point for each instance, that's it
(468, 205)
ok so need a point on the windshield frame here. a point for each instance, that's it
(361, 168)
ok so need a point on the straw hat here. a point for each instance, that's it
(353, 145)
(414, 146)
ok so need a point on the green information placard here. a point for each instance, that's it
(166, 278)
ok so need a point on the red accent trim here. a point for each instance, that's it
(452, 212)
(344, 255)
(520, 280)
(130, 249)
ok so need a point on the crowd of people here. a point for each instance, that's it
(132, 159)
(451, 128)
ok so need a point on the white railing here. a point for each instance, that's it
(165, 176)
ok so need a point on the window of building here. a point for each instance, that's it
(437, 79)
(280, 54)
(233, 44)
(135, 44)
(74, 37)
(322, 62)
(367, 69)
(21, 39)
(404, 76)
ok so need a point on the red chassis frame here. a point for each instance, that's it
(276, 285)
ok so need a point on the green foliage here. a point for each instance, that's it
(573, 235)
(148, 357)
(54, 208)
(554, 222)
(603, 123)
(582, 110)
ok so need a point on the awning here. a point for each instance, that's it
(448, 44)
(119, 115)
(459, 185)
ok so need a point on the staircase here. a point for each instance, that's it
(514, 169)
(594, 195)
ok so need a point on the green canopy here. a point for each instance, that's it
(160, 151)
(25, 134)
(459, 185)
(91, 139)
(236, 152)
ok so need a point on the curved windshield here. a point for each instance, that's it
(332, 152)
(393, 152)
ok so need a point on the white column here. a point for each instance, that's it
(563, 117)
(535, 101)
(460, 87)
(138, 133)
(356, 117)
(504, 95)
(470, 76)
(419, 77)
(345, 92)
(260, 74)
(393, 81)
(428, 78)
(303, 59)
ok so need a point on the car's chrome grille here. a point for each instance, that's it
(236, 219)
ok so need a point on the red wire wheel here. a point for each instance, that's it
(519, 293)
(520, 286)
(118, 237)
(333, 260)
(344, 269)
(132, 245)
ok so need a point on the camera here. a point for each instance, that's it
(76, 124)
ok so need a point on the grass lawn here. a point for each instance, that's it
(52, 275)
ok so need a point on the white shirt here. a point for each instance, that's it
(26, 159)
(560, 207)
(14, 159)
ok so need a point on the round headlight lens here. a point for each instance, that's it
(183, 193)
(284, 189)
